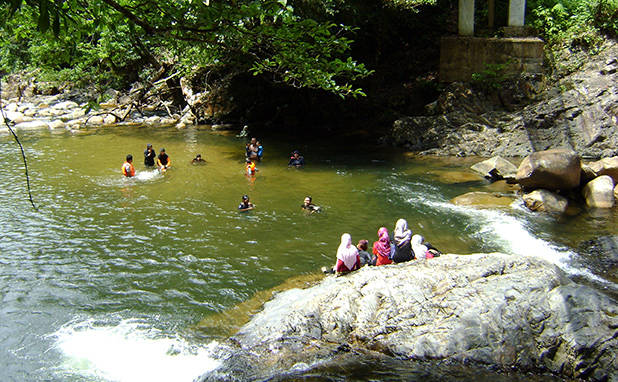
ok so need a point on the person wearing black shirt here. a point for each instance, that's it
(163, 161)
(149, 156)
(296, 160)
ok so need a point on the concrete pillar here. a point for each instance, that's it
(466, 17)
(517, 12)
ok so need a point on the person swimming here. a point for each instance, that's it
(250, 167)
(163, 160)
(245, 204)
(309, 206)
(296, 160)
(128, 169)
(198, 159)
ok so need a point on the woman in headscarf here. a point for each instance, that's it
(403, 248)
(347, 255)
(382, 248)
(420, 250)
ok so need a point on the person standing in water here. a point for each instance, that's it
(149, 156)
(296, 160)
(245, 204)
(128, 169)
(250, 167)
(163, 161)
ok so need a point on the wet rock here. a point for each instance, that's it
(65, 105)
(606, 166)
(556, 169)
(56, 124)
(495, 168)
(492, 309)
(601, 255)
(545, 201)
(599, 193)
(484, 200)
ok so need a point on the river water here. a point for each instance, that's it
(113, 279)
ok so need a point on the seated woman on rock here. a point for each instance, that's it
(347, 255)
(423, 250)
(403, 247)
(382, 248)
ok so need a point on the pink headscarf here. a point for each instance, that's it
(383, 245)
(347, 252)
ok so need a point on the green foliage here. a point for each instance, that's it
(109, 38)
(492, 77)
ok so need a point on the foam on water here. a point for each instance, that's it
(501, 230)
(130, 351)
(147, 175)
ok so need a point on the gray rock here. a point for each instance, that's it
(556, 169)
(495, 168)
(545, 201)
(490, 309)
(599, 193)
(32, 125)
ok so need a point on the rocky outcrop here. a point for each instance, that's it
(606, 166)
(489, 309)
(580, 112)
(557, 169)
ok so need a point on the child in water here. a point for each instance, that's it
(309, 206)
(250, 167)
(198, 159)
(128, 169)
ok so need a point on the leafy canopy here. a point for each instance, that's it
(264, 37)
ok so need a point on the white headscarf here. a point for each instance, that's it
(346, 251)
(419, 249)
(402, 234)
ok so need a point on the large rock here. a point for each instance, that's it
(545, 201)
(606, 166)
(491, 309)
(495, 168)
(599, 193)
(556, 169)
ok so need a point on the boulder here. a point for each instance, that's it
(545, 201)
(65, 105)
(606, 166)
(506, 311)
(484, 200)
(556, 169)
(599, 193)
(495, 168)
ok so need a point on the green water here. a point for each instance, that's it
(171, 250)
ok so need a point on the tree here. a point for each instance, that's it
(264, 37)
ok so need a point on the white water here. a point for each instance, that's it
(130, 351)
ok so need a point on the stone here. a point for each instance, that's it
(65, 105)
(599, 193)
(95, 120)
(109, 119)
(14, 116)
(545, 201)
(484, 200)
(154, 120)
(495, 168)
(504, 311)
(556, 169)
(32, 125)
(606, 166)
(56, 124)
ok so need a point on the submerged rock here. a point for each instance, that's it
(490, 309)
(545, 201)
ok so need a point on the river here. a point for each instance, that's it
(111, 278)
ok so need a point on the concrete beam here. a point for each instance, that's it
(466, 17)
(517, 12)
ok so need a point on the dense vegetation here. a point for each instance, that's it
(268, 54)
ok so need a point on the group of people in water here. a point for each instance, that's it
(402, 247)
(163, 161)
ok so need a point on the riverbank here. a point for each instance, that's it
(502, 311)
(578, 110)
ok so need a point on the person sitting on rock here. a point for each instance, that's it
(365, 257)
(403, 247)
(423, 250)
(382, 248)
(347, 255)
